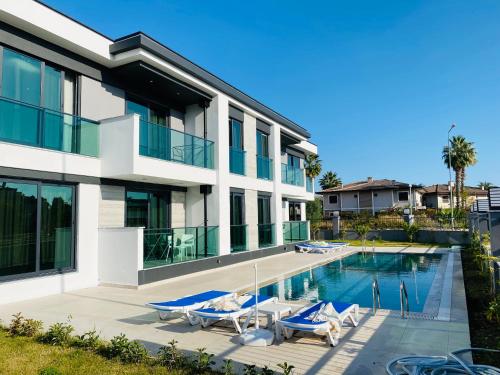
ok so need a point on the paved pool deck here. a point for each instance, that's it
(362, 350)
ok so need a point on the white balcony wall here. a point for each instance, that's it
(193, 120)
(121, 159)
(123, 245)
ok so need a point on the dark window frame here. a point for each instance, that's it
(242, 138)
(149, 190)
(333, 196)
(74, 232)
(407, 196)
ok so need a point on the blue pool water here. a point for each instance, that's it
(350, 280)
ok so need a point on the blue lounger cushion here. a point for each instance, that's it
(303, 317)
(191, 300)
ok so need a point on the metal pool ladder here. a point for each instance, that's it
(403, 298)
(376, 296)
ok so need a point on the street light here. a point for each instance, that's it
(449, 173)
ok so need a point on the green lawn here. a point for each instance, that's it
(23, 355)
(380, 243)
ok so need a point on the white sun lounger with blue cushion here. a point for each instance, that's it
(186, 305)
(316, 319)
(212, 315)
(319, 247)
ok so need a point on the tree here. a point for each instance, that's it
(485, 185)
(411, 230)
(314, 213)
(330, 180)
(462, 155)
(312, 165)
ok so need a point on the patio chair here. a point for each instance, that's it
(319, 248)
(321, 319)
(186, 246)
(212, 314)
(186, 305)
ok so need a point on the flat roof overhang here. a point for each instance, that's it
(140, 40)
(145, 80)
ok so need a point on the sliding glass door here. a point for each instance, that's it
(148, 209)
(238, 228)
(36, 227)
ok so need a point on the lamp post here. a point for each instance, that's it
(411, 202)
(449, 174)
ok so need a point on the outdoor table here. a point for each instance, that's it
(274, 312)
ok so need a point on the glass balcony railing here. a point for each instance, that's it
(292, 175)
(31, 125)
(239, 238)
(309, 185)
(295, 231)
(264, 168)
(237, 161)
(176, 245)
(160, 142)
(266, 235)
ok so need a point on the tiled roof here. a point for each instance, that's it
(369, 184)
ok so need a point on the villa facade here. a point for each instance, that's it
(124, 163)
(371, 196)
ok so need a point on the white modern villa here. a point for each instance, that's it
(124, 163)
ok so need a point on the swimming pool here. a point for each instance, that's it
(350, 280)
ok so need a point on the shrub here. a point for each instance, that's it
(287, 369)
(127, 351)
(362, 230)
(202, 362)
(227, 367)
(170, 357)
(411, 231)
(89, 341)
(266, 371)
(58, 334)
(493, 310)
(50, 371)
(20, 326)
(250, 370)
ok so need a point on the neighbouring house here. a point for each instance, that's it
(438, 196)
(368, 196)
(124, 163)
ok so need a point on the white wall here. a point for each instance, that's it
(177, 120)
(193, 120)
(120, 255)
(327, 206)
(100, 101)
(85, 275)
(194, 208)
(383, 200)
(349, 201)
(250, 146)
(178, 206)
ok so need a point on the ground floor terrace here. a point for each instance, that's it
(362, 350)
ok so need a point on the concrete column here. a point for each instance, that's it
(194, 208)
(276, 200)
(218, 201)
(250, 146)
(251, 219)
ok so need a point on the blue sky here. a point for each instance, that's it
(377, 83)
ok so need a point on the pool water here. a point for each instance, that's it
(350, 280)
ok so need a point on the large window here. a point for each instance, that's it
(148, 209)
(36, 227)
(333, 199)
(235, 134)
(238, 228)
(294, 212)
(403, 196)
(262, 144)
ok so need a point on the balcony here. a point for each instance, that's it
(140, 151)
(292, 175)
(295, 231)
(237, 161)
(160, 142)
(238, 238)
(176, 245)
(264, 168)
(309, 185)
(30, 125)
(266, 235)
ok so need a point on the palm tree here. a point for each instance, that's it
(485, 185)
(312, 165)
(330, 180)
(463, 155)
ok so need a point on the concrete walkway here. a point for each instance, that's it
(362, 350)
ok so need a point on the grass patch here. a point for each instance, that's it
(24, 355)
(381, 243)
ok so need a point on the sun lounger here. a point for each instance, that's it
(319, 248)
(321, 320)
(186, 305)
(212, 315)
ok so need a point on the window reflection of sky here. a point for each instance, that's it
(350, 280)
